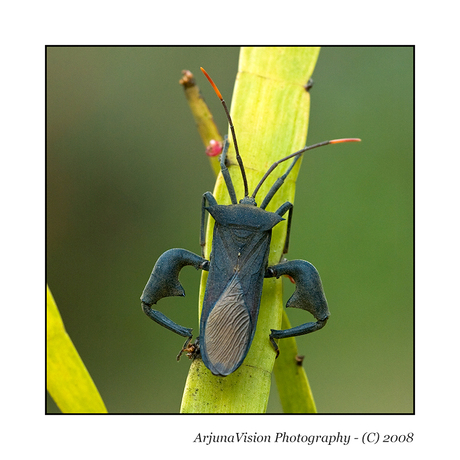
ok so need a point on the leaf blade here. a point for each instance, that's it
(68, 381)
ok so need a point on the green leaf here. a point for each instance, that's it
(68, 381)
(270, 112)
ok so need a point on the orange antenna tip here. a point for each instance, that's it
(350, 139)
(212, 84)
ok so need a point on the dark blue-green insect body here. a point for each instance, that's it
(237, 267)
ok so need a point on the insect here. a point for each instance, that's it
(237, 267)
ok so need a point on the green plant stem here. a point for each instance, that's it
(203, 118)
(270, 113)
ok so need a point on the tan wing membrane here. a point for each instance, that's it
(228, 329)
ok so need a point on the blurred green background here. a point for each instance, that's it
(125, 174)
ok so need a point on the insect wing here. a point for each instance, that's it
(228, 331)
(232, 298)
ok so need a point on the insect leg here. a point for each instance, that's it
(309, 296)
(164, 282)
(212, 201)
(226, 174)
(278, 183)
(281, 211)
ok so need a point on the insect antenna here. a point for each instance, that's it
(297, 154)
(232, 129)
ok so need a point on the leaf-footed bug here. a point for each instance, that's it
(237, 267)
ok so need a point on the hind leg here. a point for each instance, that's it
(164, 282)
(309, 296)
